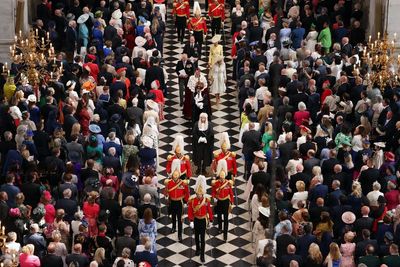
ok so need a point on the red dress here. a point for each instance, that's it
(300, 117)
(91, 212)
(84, 121)
(50, 214)
(129, 36)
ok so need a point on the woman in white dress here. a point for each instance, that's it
(311, 38)
(218, 78)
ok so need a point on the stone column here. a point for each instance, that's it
(7, 28)
(393, 19)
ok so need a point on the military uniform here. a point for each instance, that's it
(182, 13)
(177, 192)
(199, 28)
(230, 158)
(200, 212)
(216, 12)
(186, 168)
(222, 191)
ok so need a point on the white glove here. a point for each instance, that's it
(200, 140)
(204, 140)
(191, 225)
(200, 105)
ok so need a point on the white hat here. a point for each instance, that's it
(222, 166)
(348, 217)
(155, 84)
(178, 142)
(264, 211)
(135, 101)
(200, 182)
(259, 154)
(152, 105)
(176, 166)
(140, 41)
(282, 89)
(380, 144)
(147, 141)
(32, 98)
(225, 139)
(216, 38)
(71, 84)
(196, 8)
(117, 14)
(83, 18)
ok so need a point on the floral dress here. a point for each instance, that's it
(347, 250)
(150, 230)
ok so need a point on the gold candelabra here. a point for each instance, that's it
(34, 58)
(380, 61)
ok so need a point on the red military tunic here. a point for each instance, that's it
(199, 209)
(216, 11)
(186, 168)
(230, 158)
(222, 190)
(176, 190)
(181, 9)
(197, 24)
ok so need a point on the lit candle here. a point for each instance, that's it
(3, 71)
(15, 38)
(7, 63)
(37, 33)
(48, 36)
(369, 39)
(20, 33)
(379, 35)
(42, 40)
(54, 60)
(51, 75)
(395, 36)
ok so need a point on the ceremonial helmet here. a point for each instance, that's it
(196, 9)
(176, 168)
(178, 144)
(224, 141)
(200, 190)
(200, 185)
(222, 168)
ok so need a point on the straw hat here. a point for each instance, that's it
(259, 154)
(82, 18)
(117, 14)
(216, 38)
(348, 217)
(140, 41)
(264, 211)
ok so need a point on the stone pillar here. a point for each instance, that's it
(7, 28)
(393, 19)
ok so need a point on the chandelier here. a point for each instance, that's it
(33, 58)
(380, 61)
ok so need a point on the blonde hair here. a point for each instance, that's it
(28, 249)
(356, 189)
(99, 255)
(76, 129)
(300, 186)
(315, 253)
(56, 235)
(334, 251)
(268, 128)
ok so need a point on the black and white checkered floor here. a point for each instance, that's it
(238, 250)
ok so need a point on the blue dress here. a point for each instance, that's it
(149, 230)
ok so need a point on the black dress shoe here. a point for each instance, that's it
(173, 230)
(225, 237)
(202, 258)
(197, 253)
(219, 231)
(180, 238)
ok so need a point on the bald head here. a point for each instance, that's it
(364, 210)
(291, 249)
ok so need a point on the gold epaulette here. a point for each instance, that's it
(170, 157)
(233, 154)
(185, 181)
(186, 157)
(192, 197)
(231, 182)
(213, 182)
(216, 153)
(208, 199)
(166, 181)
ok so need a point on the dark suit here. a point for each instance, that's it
(300, 176)
(282, 242)
(192, 51)
(303, 243)
(155, 73)
(285, 151)
(363, 223)
(69, 206)
(360, 247)
(148, 256)
(286, 259)
(328, 165)
(261, 177)
(124, 242)
(189, 69)
(81, 259)
(320, 190)
(38, 241)
(367, 178)
(52, 260)
(109, 33)
(309, 164)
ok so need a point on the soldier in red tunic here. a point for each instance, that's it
(198, 25)
(227, 155)
(200, 214)
(223, 195)
(177, 148)
(182, 13)
(177, 192)
(216, 12)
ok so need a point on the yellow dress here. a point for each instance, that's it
(9, 90)
(215, 51)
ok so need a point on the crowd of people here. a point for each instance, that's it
(79, 152)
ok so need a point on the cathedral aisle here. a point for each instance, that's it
(238, 250)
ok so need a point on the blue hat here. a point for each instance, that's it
(29, 133)
(94, 128)
(115, 117)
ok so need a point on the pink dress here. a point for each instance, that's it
(347, 254)
(50, 214)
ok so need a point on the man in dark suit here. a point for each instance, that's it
(3, 207)
(283, 241)
(31, 190)
(191, 49)
(360, 246)
(67, 204)
(261, 177)
(184, 69)
(329, 164)
(43, 11)
(299, 176)
(77, 257)
(368, 177)
(135, 114)
(36, 239)
(365, 222)
(125, 241)
(155, 72)
(291, 256)
(304, 242)
(333, 197)
(70, 40)
(310, 162)
(251, 143)
(109, 33)
(272, 29)
(285, 149)
(147, 205)
(51, 259)
(319, 191)
(315, 211)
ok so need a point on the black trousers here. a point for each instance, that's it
(176, 212)
(200, 235)
(215, 26)
(180, 24)
(223, 209)
(198, 36)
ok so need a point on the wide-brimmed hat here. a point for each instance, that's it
(70, 16)
(89, 86)
(152, 104)
(216, 38)
(94, 128)
(140, 41)
(304, 129)
(259, 154)
(264, 211)
(117, 14)
(380, 144)
(348, 217)
(82, 18)
(115, 117)
(32, 98)
(389, 156)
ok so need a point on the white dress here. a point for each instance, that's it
(311, 40)
(218, 78)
